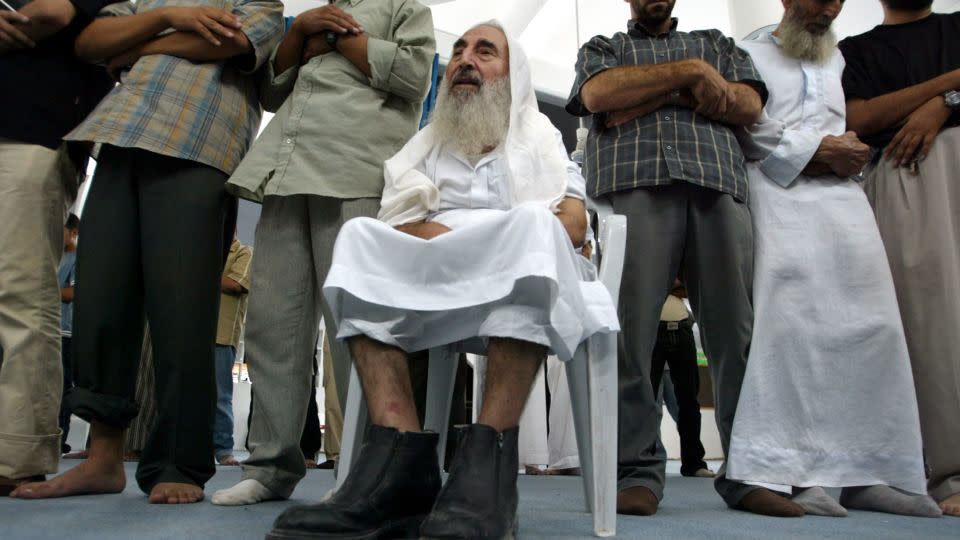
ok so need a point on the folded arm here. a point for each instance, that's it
(869, 116)
(34, 22)
(109, 37)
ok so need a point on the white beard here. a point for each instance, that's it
(472, 121)
(799, 43)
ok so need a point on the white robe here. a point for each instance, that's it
(828, 396)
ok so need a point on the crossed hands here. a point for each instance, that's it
(12, 37)
(313, 24)
(915, 139)
(710, 95)
(843, 156)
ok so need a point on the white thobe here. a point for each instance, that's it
(501, 271)
(828, 396)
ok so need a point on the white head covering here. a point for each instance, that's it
(537, 167)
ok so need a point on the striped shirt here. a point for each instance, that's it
(673, 143)
(203, 112)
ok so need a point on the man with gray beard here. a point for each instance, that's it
(826, 322)
(481, 213)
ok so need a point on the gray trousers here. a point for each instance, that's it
(294, 245)
(706, 238)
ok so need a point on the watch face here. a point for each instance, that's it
(953, 99)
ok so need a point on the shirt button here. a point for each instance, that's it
(669, 147)
(666, 117)
(288, 140)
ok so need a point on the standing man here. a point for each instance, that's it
(234, 288)
(171, 133)
(827, 326)
(45, 90)
(675, 348)
(67, 278)
(902, 83)
(662, 152)
(347, 84)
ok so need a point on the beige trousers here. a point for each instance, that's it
(919, 220)
(32, 209)
(333, 416)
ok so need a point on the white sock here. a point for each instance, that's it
(890, 500)
(817, 502)
(248, 491)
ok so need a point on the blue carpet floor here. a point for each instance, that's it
(550, 507)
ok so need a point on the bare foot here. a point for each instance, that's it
(175, 493)
(228, 459)
(79, 454)
(89, 477)
(767, 503)
(951, 505)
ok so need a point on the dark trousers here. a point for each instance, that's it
(153, 248)
(676, 348)
(312, 439)
(67, 384)
(706, 238)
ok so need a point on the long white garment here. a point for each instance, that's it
(496, 274)
(828, 397)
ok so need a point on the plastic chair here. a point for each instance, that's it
(591, 374)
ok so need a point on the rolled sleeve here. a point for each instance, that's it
(791, 155)
(262, 22)
(596, 56)
(403, 67)
(737, 66)
(239, 269)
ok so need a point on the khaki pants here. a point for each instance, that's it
(917, 217)
(333, 416)
(32, 206)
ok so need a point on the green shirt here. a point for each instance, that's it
(334, 126)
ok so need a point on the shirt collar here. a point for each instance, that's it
(637, 30)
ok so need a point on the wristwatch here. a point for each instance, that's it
(331, 38)
(953, 99)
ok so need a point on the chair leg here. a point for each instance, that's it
(577, 379)
(354, 419)
(441, 376)
(604, 389)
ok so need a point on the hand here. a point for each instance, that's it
(618, 118)
(206, 21)
(12, 37)
(322, 19)
(712, 93)
(424, 230)
(844, 155)
(118, 64)
(915, 138)
(315, 45)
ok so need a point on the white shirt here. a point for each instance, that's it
(483, 185)
(806, 103)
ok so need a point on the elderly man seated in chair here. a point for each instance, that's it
(475, 247)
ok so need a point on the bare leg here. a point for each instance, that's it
(102, 472)
(385, 377)
(512, 366)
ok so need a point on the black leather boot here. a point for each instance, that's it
(479, 500)
(391, 488)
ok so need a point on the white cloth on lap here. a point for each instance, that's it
(507, 274)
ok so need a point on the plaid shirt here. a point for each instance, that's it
(203, 112)
(673, 143)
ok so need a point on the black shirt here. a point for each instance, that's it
(46, 91)
(896, 56)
